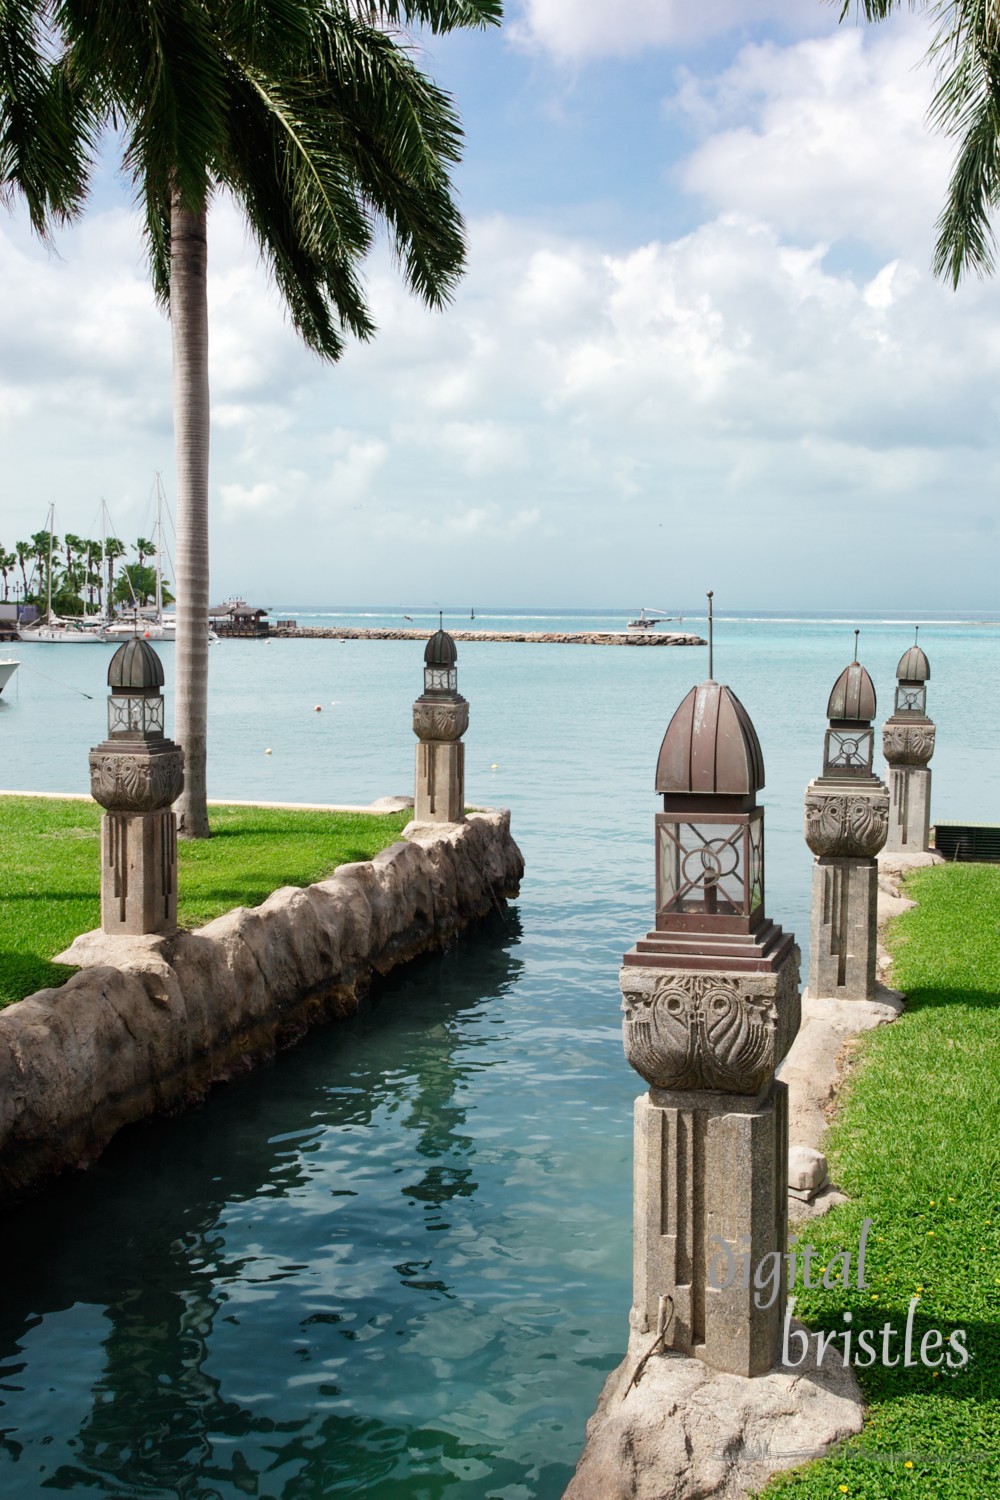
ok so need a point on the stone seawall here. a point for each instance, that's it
(535, 637)
(151, 1023)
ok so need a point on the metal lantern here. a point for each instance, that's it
(849, 743)
(710, 848)
(912, 673)
(135, 707)
(440, 669)
(710, 843)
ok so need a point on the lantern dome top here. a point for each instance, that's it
(913, 666)
(853, 696)
(135, 667)
(710, 746)
(441, 650)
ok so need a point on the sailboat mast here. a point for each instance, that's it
(48, 591)
(104, 552)
(159, 550)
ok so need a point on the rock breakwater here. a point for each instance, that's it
(533, 637)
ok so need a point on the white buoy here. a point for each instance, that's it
(494, 766)
(268, 751)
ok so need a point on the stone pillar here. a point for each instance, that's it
(711, 1158)
(711, 1005)
(907, 747)
(138, 835)
(439, 793)
(846, 822)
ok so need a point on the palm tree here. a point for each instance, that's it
(8, 560)
(321, 127)
(95, 579)
(145, 548)
(72, 543)
(113, 549)
(24, 550)
(43, 544)
(967, 105)
(137, 586)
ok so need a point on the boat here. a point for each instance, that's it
(151, 622)
(650, 621)
(56, 630)
(7, 670)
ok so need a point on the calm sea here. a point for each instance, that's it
(397, 1262)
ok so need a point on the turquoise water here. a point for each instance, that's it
(397, 1262)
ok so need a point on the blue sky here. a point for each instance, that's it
(698, 344)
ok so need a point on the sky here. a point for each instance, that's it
(698, 345)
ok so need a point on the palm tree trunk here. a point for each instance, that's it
(189, 328)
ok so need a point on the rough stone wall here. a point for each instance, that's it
(151, 1023)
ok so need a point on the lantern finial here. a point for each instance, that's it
(711, 674)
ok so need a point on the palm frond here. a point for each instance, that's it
(878, 10)
(46, 131)
(966, 240)
(437, 15)
(966, 104)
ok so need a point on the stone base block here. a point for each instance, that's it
(844, 929)
(684, 1432)
(711, 1177)
(138, 872)
(909, 809)
(439, 796)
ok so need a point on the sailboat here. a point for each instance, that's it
(152, 624)
(56, 630)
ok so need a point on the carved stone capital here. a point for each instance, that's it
(717, 1031)
(908, 744)
(446, 720)
(847, 824)
(139, 781)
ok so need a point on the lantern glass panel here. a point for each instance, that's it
(134, 714)
(701, 868)
(755, 882)
(440, 679)
(911, 698)
(849, 750)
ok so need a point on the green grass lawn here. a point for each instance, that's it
(917, 1147)
(50, 872)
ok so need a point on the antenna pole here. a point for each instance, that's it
(711, 674)
(916, 634)
(440, 619)
(856, 634)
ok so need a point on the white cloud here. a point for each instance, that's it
(578, 30)
(357, 462)
(239, 499)
(825, 138)
(489, 522)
